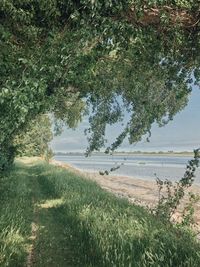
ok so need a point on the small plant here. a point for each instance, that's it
(188, 212)
(171, 195)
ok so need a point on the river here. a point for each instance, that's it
(137, 166)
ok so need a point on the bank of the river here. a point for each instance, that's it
(139, 191)
(137, 166)
(51, 216)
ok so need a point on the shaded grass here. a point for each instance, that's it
(80, 224)
(108, 231)
(53, 246)
(16, 211)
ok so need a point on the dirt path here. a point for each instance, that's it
(34, 228)
(50, 237)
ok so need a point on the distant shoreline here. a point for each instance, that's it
(170, 154)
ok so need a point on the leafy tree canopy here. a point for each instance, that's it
(71, 57)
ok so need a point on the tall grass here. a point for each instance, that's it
(110, 231)
(103, 230)
(15, 216)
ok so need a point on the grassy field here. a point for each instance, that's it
(50, 217)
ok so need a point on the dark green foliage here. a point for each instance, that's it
(7, 155)
(114, 56)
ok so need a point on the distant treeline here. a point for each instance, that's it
(128, 153)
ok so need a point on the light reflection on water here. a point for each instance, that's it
(143, 167)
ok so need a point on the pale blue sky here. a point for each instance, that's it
(183, 133)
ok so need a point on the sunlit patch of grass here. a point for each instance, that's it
(28, 160)
(51, 203)
(12, 245)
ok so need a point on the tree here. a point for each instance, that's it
(35, 140)
(104, 56)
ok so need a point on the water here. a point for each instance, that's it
(139, 166)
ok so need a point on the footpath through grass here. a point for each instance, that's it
(50, 217)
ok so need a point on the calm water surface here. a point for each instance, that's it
(139, 166)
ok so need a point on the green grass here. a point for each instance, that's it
(79, 224)
(15, 215)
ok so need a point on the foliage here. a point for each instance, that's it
(35, 141)
(189, 210)
(70, 57)
(7, 154)
(170, 195)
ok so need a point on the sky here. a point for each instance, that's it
(181, 134)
